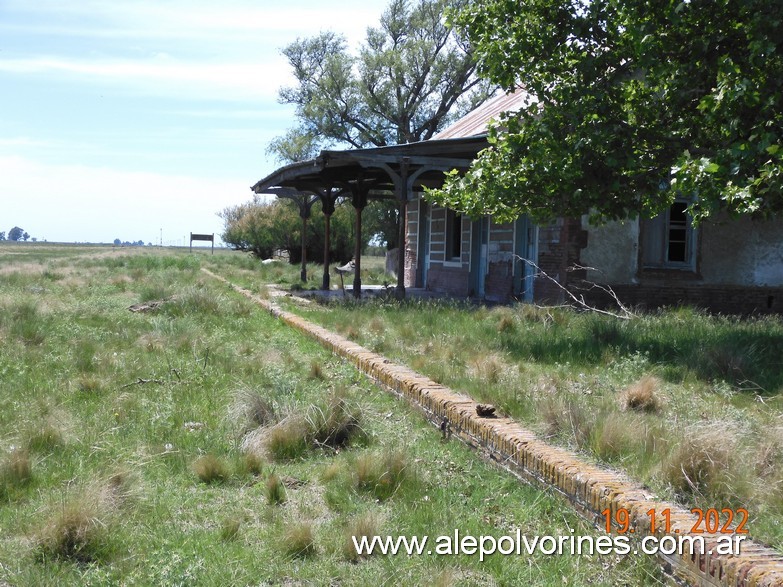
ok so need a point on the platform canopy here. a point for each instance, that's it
(396, 171)
(379, 169)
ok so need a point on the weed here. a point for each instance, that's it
(702, 463)
(211, 469)
(16, 472)
(299, 541)
(364, 526)
(642, 396)
(80, 528)
(382, 475)
(316, 370)
(274, 490)
(229, 529)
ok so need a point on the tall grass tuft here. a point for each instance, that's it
(643, 396)
(299, 541)
(336, 423)
(383, 474)
(16, 472)
(80, 529)
(25, 322)
(364, 526)
(274, 490)
(704, 463)
(250, 410)
(229, 529)
(211, 469)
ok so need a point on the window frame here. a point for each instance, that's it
(453, 241)
(656, 241)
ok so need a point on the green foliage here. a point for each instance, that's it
(262, 228)
(634, 103)
(411, 77)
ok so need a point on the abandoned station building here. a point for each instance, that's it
(725, 265)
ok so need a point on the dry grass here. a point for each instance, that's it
(16, 471)
(383, 474)
(704, 463)
(211, 469)
(366, 526)
(299, 540)
(643, 396)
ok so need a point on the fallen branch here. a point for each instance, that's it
(579, 301)
(141, 381)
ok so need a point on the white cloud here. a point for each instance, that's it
(163, 75)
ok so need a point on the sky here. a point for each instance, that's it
(142, 119)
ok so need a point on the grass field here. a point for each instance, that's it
(687, 403)
(198, 441)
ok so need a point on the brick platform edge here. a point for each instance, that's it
(590, 489)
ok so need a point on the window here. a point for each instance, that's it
(453, 236)
(668, 240)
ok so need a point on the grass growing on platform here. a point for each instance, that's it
(121, 439)
(685, 402)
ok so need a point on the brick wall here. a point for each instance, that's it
(499, 284)
(454, 281)
(559, 245)
(715, 298)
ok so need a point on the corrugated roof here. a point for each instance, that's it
(476, 122)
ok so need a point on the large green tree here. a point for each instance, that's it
(411, 77)
(632, 103)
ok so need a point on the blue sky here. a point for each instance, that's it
(131, 118)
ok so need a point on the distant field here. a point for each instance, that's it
(197, 441)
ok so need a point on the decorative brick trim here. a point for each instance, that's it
(589, 488)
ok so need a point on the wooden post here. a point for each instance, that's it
(303, 272)
(359, 201)
(401, 189)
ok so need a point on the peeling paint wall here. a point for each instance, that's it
(612, 250)
(741, 252)
(730, 252)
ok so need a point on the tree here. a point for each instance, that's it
(15, 234)
(2, 236)
(262, 228)
(413, 75)
(633, 103)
